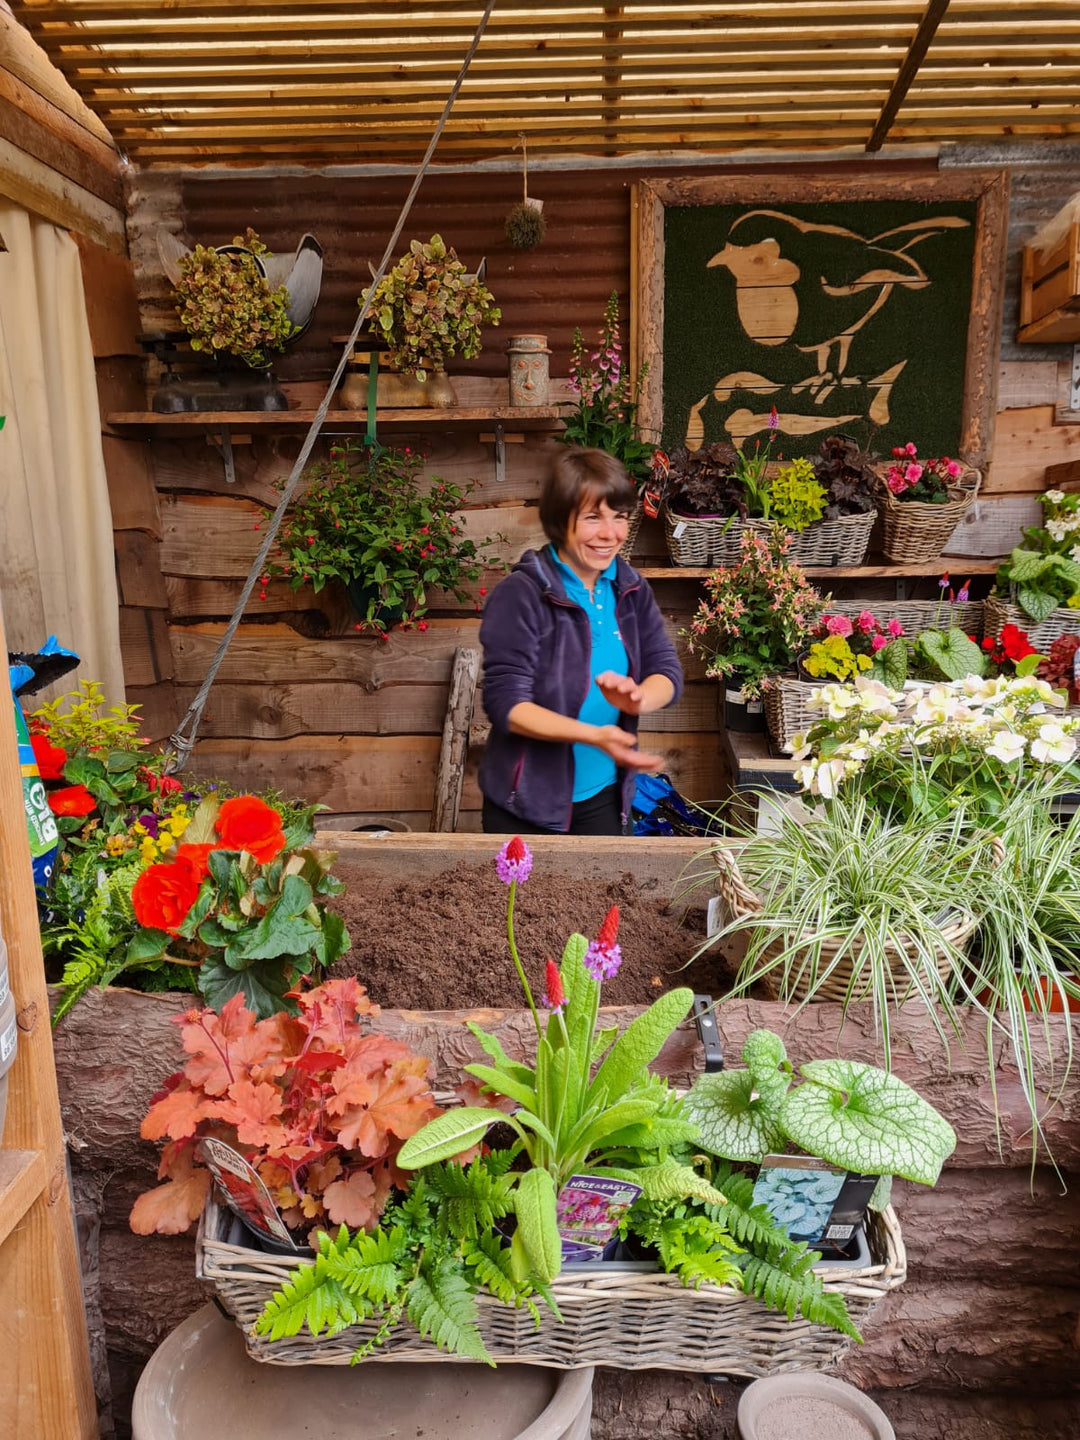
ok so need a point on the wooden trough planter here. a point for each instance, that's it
(988, 1304)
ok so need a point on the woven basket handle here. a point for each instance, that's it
(740, 899)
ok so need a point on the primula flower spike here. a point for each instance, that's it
(514, 861)
(554, 996)
(604, 956)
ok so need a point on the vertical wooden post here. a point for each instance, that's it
(46, 1390)
(455, 740)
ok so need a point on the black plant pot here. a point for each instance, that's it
(361, 592)
(746, 716)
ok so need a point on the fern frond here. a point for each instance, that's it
(443, 1309)
(471, 1199)
(312, 1298)
(796, 1294)
(369, 1267)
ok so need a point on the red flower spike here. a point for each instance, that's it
(609, 930)
(556, 996)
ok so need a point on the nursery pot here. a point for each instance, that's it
(742, 714)
(360, 592)
(201, 1382)
(803, 1405)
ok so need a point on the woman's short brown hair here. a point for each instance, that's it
(578, 477)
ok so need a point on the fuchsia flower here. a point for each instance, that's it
(604, 955)
(514, 861)
(554, 996)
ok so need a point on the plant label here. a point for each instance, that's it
(588, 1210)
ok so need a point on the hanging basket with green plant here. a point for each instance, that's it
(374, 524)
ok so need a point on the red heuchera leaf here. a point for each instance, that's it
(255, 1111)
(472, 1092)
(352, 1202)
(169, 1209)
(402, 1104)
(333, 1008)
(207, 1037)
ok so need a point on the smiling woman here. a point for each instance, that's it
(574, 652)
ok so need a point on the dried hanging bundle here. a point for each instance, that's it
(525, 225)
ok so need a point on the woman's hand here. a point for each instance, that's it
(613, 740)
(632, 697)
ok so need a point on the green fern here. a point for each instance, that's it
(798, 1291)
(443, 1308)
(471, 1200)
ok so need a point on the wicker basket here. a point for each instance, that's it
(707, 539)
(915, 530)
(1061, 621)
(626, 549)
(741, 902)
(786, 712)
(918, 615)
(833, 542)
(627, 1317)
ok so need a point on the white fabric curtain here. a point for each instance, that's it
(57, 567)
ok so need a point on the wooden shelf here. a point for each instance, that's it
(547, 417)
(22, 1179)
(753, 765)
(960, 565)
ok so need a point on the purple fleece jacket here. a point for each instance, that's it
(538, 646)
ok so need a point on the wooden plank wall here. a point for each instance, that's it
(302, 701)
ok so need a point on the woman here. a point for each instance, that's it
(575, 651)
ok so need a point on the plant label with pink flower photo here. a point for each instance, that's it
(243, 1192)
(588, 1210)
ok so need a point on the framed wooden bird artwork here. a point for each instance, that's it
(864, 303)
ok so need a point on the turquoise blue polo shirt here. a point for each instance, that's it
(593, 769)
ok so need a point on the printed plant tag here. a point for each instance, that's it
(243, 1192)
(588, 1210)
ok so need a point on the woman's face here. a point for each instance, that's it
(592, 539)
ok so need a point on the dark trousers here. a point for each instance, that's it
(601, 814)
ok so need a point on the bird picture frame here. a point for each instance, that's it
(865, 303)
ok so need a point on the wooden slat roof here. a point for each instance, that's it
(333, 81)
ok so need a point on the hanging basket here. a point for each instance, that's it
(629, 1316)
(704, 540)
(833, 542)
(807, 978)
(1062, 621)
(915, 530)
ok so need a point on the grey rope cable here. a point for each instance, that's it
(182, 740)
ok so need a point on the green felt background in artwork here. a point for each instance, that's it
(705, 339)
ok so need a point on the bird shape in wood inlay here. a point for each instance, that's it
(816, 285)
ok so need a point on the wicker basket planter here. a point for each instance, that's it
(833, 542)
(707, 539)
(626, 549)
(918, 615)
(1062, 621)
(915, 530)
(612, 1315)
(740, 901)
(786, 712)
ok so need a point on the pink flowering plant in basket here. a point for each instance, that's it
(846, 648)
(756, 617)
(583, 1108)
(909, 478)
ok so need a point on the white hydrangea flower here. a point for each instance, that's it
(1006, 746)
(1053, 745)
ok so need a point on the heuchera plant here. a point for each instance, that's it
(314, 1101)
(428, 308)
(849, 647)
(244, 901)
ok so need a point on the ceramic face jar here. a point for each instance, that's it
(529, 380)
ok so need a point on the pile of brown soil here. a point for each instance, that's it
(440, 943)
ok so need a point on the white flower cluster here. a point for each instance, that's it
(1005, 719)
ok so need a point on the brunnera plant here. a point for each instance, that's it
(315, 1102)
